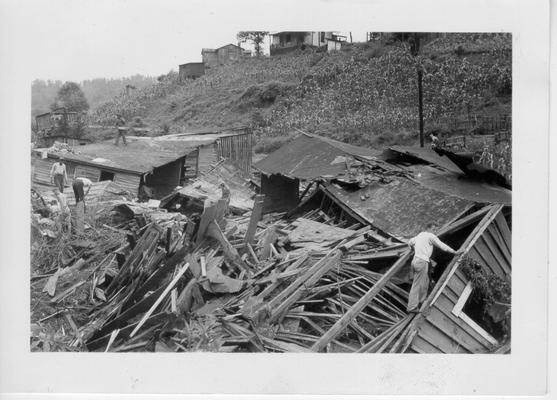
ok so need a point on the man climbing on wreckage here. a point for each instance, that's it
(423, 244)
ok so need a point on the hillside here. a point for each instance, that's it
(364, 94)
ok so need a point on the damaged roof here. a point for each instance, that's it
(401, 208)
(311, 156)
(424, 154)
(139, 156)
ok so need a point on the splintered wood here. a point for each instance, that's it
(237, 284)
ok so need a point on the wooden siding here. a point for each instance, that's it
(236, 149)
(86, 171)
(441, 331)
(128, 182)
(41, 174)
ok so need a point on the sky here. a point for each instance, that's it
(79, 39)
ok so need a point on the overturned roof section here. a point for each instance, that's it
(401, 208)
(139, 156)
(426, 155)
(311, 156)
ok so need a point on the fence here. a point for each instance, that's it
(476, 123)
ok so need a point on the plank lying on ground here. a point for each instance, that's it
(230, 252)
(332, 262)
(160, 299)
(342, 323)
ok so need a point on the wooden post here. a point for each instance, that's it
(420, 106)
(254, 219)
(353, 312)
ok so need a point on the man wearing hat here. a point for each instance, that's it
(58, 174)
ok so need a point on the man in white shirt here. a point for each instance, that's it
(423, 245)
(58, 174)
(65, 214)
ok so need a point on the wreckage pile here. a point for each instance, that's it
(237, 284)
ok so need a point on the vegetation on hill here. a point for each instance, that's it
(364, 94)
(97, 91)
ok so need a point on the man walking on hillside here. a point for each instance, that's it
(423, 245)
(121, 129)
(58, 174)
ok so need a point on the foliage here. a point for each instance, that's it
(71, 97)
(489, 290)
(255, 37)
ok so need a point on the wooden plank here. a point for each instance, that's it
(306, 287)
(254, 219)
(496, 236)
(230, 252)
(445, 306)
(494, 249)
(434, 334)
(504, 230)
(343, 322)
(422, 345)
(481, 254)
(465, 247)
(160, 299)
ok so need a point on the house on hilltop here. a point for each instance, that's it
(222, 55)
(284, 42)
(190, 71)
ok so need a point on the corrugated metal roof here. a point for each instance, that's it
(427, 155)
(401, 208)
(139, 156)
(310, 156)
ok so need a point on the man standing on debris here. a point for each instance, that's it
(121, 129)
(58, 174)
(78, 185)
(65, 214)
(423, 245)
(434, 141)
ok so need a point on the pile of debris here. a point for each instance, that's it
(330, 275)
(237, 284)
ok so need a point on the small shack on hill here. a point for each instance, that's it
(191, 70)
(222, 55)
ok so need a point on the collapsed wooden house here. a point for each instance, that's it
(307, 157)
(143, 165)
(148, 167)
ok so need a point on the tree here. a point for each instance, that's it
(255, 37)
(71, 97)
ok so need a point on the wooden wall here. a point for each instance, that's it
(281, 193)
(41, 173)
(165, 178)
(444, 332)
(237, 149)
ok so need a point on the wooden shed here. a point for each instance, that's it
(144, 166)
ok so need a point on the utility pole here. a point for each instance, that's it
(415, 50)
(420, 106)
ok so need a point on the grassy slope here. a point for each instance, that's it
(366, 94)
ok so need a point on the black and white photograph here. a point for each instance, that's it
(307, 192)
(190, 188)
